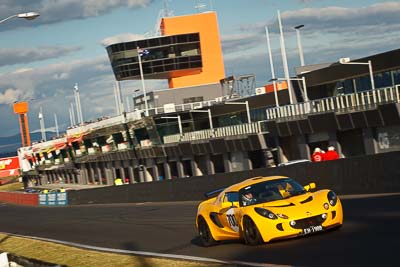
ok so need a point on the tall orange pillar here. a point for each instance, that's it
(206, 25)
(21, 108)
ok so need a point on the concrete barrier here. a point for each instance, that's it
(30, 199)
(378, 173)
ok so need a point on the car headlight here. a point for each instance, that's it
(266, 213)
(332, 198)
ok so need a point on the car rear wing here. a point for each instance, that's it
(213, 193)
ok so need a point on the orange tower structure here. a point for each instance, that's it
(206, 25)
(21, 108)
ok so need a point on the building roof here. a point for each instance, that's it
(336, 71)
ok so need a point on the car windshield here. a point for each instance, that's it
(270, 191)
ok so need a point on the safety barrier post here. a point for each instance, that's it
(357, 100)
(362, 99)
(391, 93)
(374, 95)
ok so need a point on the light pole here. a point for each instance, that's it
(140, 52)
(284, 59)
(179, 122)
(78, 104)
(27, 16)
(272, 66)
(346, 61)
(72, 114)
(302, 79)
(56, 124)
(242, 103)
(42, 128)
(209, 116)
(297, 28)
(134, 97)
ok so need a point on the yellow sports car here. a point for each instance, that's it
(263, 209)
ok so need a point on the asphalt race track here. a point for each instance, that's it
(369, 237)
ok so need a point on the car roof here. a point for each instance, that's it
(251, 181)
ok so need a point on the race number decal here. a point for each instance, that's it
(383, 140)
(230, 217)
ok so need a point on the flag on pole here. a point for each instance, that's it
(143, 52)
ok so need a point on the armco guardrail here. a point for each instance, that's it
(358, 175)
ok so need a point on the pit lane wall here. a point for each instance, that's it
(19, 198)
(379, 173)
(35, 199)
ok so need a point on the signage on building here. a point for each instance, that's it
(145, 143)
(9, 163)
(9, 166)
(53, 199)
(169, 108)
(260, 90)
(388, 138)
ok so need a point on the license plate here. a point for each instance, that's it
(312, 229)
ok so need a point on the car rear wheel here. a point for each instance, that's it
(205, 234)
(250, 231)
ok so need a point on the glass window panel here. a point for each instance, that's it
(348, 86)
(396, 76)
(363, 83)
(383, 79)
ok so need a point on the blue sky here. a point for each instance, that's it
(42, 59)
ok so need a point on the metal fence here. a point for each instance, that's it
(342, 103)
(90, 126)
(241, 129)
(138, 114)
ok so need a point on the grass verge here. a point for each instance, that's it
(71, 256)
(11, 187)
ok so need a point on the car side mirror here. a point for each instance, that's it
(310, 186)
(228, 204)
(225, 206)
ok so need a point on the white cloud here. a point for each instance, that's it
(61, 76)
(340, 18)
(52, 88)
(11, 56)
(354, 32)
(21, 70)
(332, 19)
(53, 11)
(52, 85)
(10, 96)
(120, 38)
(239, 42)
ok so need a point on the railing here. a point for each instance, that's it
(341, 103)
(138, 114)
(96, 125)
(47, 144)
(188, 106)
(234, 130)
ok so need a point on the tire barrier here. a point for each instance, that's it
(377, 173)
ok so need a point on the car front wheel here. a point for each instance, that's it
(205, 234)
(250, 231)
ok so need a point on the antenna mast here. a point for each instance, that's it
(163, 13)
